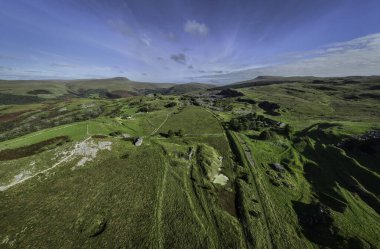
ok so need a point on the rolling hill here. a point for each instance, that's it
(34, 90)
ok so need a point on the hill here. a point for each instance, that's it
(270, 80)
(116, 87)
(35, 90)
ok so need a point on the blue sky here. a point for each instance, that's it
(180, 41)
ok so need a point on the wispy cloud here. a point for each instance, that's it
(2, 68)
(121, 27)
(127, 31)
(171, 37)
(179, 58)
(145, 40)
(360, 56)
(196, 28)
(62, 65)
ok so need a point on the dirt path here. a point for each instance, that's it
(66, 158)
(159, 127)
(249, 157)
(158, 210)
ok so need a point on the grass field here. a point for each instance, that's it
(193, 120)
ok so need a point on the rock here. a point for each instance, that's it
(278, 167)
(138, 141)
(97, 226)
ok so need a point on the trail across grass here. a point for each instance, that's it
(159, 208)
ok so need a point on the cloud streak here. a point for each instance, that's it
(359, 56)
(64, 65)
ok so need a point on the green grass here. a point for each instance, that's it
(193, 120)
(83, 195)
(75, 131)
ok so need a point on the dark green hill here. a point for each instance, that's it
(188, 87)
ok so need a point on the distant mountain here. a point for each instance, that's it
(270, 80)
(114, 87)
(105, 88)
(118, 83)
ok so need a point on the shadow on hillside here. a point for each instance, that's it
(322, 132)
(317, 225)
(330, 169)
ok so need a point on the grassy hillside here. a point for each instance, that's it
(56, 88)
(30, 91)
(187, 88)
(279, 165)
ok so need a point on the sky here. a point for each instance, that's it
(211, 41)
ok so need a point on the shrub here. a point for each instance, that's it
(115, 133)
(171, 104)
(170, 133)
(267, 135)
(180, 133)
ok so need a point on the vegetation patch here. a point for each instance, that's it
(230, 93)
(270, 108)
(10, 154)
(39, 91)
(10, 99)
(251, 121)
(10, 116)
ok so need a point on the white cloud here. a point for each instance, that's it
(360, 56)
(196, 28)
